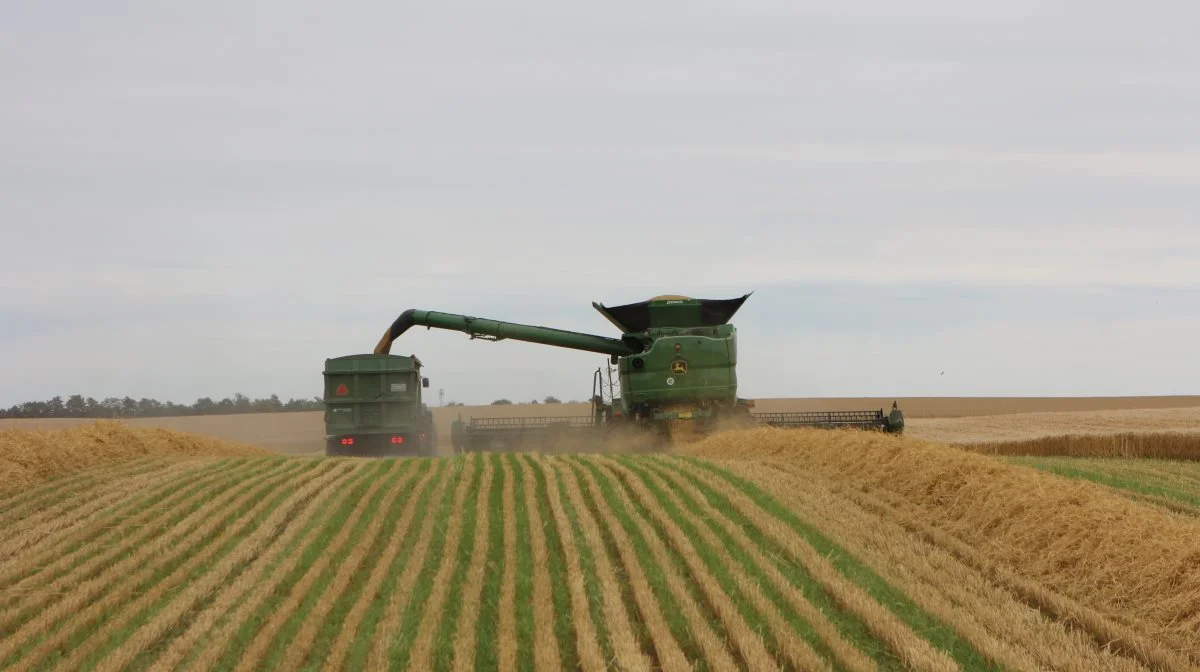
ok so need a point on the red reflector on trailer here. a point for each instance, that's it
(397, 439)
(348, 441)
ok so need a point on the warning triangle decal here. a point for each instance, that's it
(341, 390)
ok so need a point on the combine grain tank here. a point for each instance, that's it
(373, 407)
(676, 358)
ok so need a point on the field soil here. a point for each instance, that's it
(948, 419)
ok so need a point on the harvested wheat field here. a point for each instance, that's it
(762, 550)
(944, 419)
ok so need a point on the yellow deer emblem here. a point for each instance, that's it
(679, 367)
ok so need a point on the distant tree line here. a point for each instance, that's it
(78, 406)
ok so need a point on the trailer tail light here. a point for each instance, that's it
(397, 439)
(348, 441)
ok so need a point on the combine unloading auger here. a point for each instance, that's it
(676, 360)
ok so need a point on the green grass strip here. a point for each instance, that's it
(277, 493)
(487, 643)
(524, 574)
(331, 520)
(587, 564)
(360, 649)
(1141, 483)
(564, 631)
(346, 601)
(655, 574)
(755, 620)
(443, 646)
(932, 629)
(410, 620)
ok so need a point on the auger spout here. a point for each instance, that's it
(495, 330)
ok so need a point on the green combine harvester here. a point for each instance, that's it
(676, 359)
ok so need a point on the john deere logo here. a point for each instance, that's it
(679, 367)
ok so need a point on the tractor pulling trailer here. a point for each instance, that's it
(676, 359)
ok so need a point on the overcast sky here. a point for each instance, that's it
(210, 200)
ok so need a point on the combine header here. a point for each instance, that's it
(676, 360)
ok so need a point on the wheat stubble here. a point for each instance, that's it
(668, 651)
(798, 652)
(625, 643)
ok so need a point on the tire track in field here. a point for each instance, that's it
(915, 651)
(625, 643)
(209, 630)
(669, 653)
(384, 565)
(399, 602)
(276, 506)
(79, 607)
(1007, 631)
(275, 532)
(464, 642)
(545, 645)
(74, 590)
(259, 647)
(591, 657)
(716, 654)
(796, 650)
(848, 657)
(128, 522)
